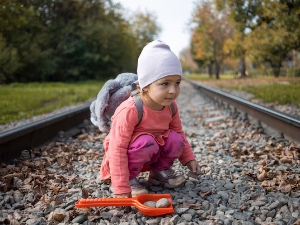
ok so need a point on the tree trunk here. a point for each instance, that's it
(276, 71)
(242, 67)
(210, 69)
(217, 63)
(276, 66)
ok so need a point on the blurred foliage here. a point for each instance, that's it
(67, 40)
(212, 29)
(265, 34)
(21, 101)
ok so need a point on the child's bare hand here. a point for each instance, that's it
(125, 195)
(193, 166)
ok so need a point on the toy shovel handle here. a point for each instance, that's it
(86, 203)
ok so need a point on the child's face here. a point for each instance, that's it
(164, 91)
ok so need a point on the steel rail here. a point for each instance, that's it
(13, 141)
(288, 125)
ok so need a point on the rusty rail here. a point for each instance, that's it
(286, 124)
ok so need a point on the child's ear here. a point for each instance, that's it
(144, 89)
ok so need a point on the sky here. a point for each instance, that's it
(173, 17)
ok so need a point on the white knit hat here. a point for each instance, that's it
(155, 62)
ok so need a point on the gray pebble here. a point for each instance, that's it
(175, 219)
(186, 217)
(150, 204)
(180, 211)
(106, 215)
(115, 219)
(79, 219)
(229, 185)
(162, 203)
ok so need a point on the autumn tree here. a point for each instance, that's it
(67, 40)
(144, 27)
(202, 53)
(187, 61)
(276, 33)
(242, 14)
(211, 30)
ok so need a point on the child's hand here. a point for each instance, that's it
(193, 166)
(125, 195)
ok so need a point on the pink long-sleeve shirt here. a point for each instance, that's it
(124, 131)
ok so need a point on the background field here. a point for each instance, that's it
(283, 90)
(21, 101)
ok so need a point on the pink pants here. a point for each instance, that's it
(145, 151)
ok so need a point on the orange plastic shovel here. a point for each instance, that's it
(138, 202)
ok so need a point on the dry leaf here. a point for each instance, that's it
(10, 176)
(85, 193)
(82, 158)
(268, 183)
(243, 207)
(193, 206)
(232, 177)
(54, 189)
(58, 217)
(14, 222)
(203, 194)
(286, 159)
(286, 188)
(17, 215)
(262, 176)
(64, 189)
(210, 143)
(46, 199)
(263, 163)
(26, 188)
(297, 222)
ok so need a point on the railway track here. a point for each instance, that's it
(287, 125)
(247, 176)
(12, 142)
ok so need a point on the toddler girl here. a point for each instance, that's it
(158, 139)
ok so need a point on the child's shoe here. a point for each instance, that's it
(136, 188)
(169, 178)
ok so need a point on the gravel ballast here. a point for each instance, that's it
(247, 176)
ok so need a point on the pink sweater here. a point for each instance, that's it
(124, 131)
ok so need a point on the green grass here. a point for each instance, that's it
(21, 101)
(277, 92)
(282, 90)
(206, 77)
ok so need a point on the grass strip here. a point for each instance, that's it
(276, 92)
(282, 90)
(21, 101)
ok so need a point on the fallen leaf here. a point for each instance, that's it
(85, 193)
(203, 194)
(59, 217)
(286, 188)
(263, 163)
(286, 159)
(54, 189)
(210, 143)
(193, 206)
(297, 222)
